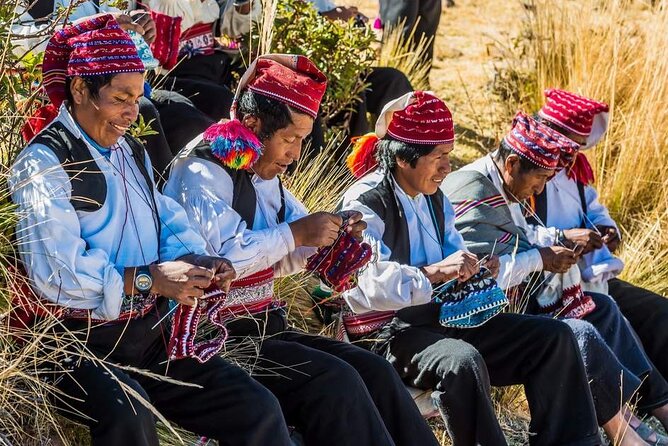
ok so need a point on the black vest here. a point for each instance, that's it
(383, 201)
(89, 187)
(244, 199)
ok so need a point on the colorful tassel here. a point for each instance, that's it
(362, 158)
(38, 121)
(234, 144)
(581, 170)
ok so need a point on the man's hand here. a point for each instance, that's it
(461, 266)
(222, 268)
(344, 13)
(143, 19)
(588, 239)
(355, 226)
(180, 280)
(557, 259)
(316, 230)
(610, 237)
(493, 265)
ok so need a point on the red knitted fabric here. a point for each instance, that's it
(538, 143)
(165, 47)
(571, 111)
(427, 120)
(42, 117)
(95, 46)
(337, 264)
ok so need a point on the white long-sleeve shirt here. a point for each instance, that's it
(77, 258)
(388, 285)
(205, 190)
(516, 267)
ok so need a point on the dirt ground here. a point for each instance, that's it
(469, 45)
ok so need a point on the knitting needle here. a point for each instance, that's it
(169, 313)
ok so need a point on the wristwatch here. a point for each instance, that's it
(143, 280)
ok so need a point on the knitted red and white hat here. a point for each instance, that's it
(291, 79)
(418, 117)
(92, 47)
(576, 113)
(540, 144)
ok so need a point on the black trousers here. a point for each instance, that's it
(424, 15)
(176, 122)
(181, 121)
(334, 393)
(156, 145)
(647, 312)
(229, 405)
(206, 81)
(541, 354)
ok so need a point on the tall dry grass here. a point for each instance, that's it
(616, 51)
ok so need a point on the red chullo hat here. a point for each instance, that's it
(92, 47)
(571, 111)
(418, 117)
(540, 144)
(291, 79)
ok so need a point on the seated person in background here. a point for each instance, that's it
(162, 109)
(101, 244)
(570, 209)
(384, 83)
(204, 69)
(488, 195)
(244, 212)
(419, 252)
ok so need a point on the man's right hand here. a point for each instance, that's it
(461, 266)
(180, 280)
(316, 230)
(557, 259)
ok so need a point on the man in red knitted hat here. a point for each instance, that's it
(405, 308)
(105, 251)
(490, 197)
(569, 208)
(244, 212)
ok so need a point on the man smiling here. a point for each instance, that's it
(107, 251)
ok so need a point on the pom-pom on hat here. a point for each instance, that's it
(92, 47)
(417, 117)
(540, 144)
(291, 79)
(576, 113)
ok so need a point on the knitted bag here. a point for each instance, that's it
(472, 303)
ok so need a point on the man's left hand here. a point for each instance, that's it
(223, 270)
(355, 226)
(493, 265)
(610, 237)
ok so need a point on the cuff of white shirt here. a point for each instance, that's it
(547, 237)
(286, 234)
(534, 260)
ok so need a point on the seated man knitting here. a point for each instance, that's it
(229, 182)
(569, 207)
(107, 251)
(410, 305)
(488, 198)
